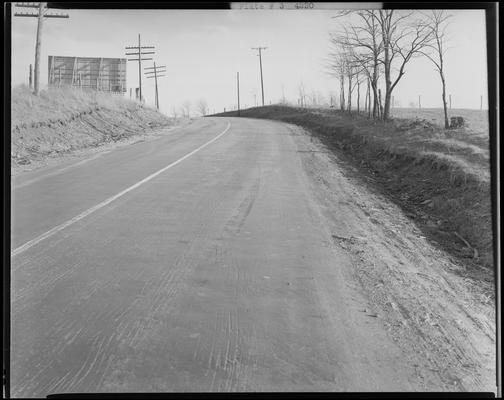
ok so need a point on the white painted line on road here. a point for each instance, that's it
(91, 210)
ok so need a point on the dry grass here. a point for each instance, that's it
(476, 120)
(61, 120)
(60, 104)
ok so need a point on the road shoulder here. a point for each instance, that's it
(443, 323)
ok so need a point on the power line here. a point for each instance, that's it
(260, 66)
(40, 15)
(139, 53)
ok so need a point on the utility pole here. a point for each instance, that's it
(31, 78)
(156, 70)
(260, 66)
(481, 102)
(38, 46)
(450, 101)
(139, 53)
(40, 15)
(238, 87)
(419, 104)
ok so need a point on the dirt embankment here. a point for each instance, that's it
(60, 121)
(441, 179)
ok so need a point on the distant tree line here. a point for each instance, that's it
(186, 109)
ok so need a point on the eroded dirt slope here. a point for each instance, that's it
(63, 121)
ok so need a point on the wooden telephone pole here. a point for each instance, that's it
(238, 87)
(156, 70)
(30, 80)
(139, 53)
(40, 15)
(260, 66)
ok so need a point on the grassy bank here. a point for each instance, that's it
(440, 178)
(62, 120)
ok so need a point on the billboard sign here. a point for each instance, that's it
(103, 74)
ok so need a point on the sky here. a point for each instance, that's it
(204, 49)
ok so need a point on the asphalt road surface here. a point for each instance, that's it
(198, 261)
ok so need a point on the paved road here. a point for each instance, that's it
(216, 274)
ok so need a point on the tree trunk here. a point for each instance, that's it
(369, 98)
(376, 107)
(441, 74)
(387, 66)
(349, 93)
(380, 105)
(386, 107)
(366, 98)
(374, 86)
(358, 97)
(342, 95)
(447, 124)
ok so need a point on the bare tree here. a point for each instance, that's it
(341, 71)
(366, 101)
(354, 76)
(343, 67)
(403, 38)
(349, 75)
(362, 41)
(383, 40)
(332, 99)
(186, 109)
(369, 98)
(359, 78)
(174, 112)
(302, 94)
(336, 67)
(437, 23)
(202, 107)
